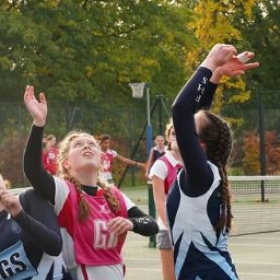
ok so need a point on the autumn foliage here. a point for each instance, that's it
(251, 151)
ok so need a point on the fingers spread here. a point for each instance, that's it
(253, 65)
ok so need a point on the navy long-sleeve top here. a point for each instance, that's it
(196, 94)
(193, 206)
(26, 239)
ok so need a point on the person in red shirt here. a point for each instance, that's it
(50, 154)
(94, 217)
(110, 155)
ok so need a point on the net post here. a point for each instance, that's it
(152, 211)
(138, 90)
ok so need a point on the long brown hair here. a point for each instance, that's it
(84, 207)
(216, 134)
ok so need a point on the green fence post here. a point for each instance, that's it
(152, 211)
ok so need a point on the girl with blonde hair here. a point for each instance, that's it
(94, 217)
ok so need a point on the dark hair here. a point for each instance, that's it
(104, 137)
(49, 137)
(216, 134)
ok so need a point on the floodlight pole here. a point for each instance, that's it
(149, 142)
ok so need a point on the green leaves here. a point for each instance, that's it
(99, 45)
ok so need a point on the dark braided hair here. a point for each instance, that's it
(216, 134)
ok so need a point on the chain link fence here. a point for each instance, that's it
(125, 124)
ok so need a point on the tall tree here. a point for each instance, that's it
(83, 54)
(84, 49)
(213, 22)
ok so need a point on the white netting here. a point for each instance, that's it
(137, 89)
(255, 203)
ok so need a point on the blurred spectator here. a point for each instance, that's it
(110, 155)
(156, 152)
(50, 153)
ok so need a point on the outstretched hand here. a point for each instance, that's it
(223, 60)
(218, 56)
(37, 108)
(237, 65)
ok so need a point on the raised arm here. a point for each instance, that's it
(183, 110)
(33, 168)
(232, 68)
(220, 61)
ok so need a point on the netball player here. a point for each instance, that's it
(156, 152)
(199, 206)
(109, 157)
(30, 242)
(94, 218)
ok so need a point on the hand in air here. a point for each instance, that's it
(37, 108)
(223, 60)
(238, 64)
(218, 56)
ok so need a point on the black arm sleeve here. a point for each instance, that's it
(191, 98)
(39, 223)
(142, 223)
(33, 168)
(206, 99)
